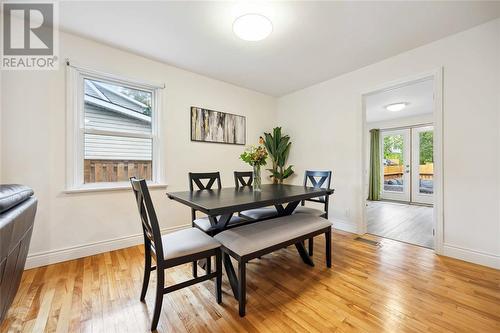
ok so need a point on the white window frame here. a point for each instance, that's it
(75, 124)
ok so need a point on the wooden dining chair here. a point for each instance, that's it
(245, 178)
(172, 249)
(316, 179)
(206, 181)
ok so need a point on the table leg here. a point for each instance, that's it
(203, 263)
(219, 223)
(303, 254)
(231, 275)
(288, 210)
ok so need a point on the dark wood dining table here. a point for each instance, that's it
(221, 204)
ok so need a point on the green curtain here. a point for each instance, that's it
(374, 182)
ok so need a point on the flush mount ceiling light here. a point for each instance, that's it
(252, 27)
(395, 107)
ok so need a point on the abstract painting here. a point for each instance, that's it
(219, 127)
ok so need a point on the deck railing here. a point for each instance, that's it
(426, 171)
(97, 171)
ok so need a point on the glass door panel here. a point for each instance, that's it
(423, 165)
(395, 165)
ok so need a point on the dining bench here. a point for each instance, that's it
(254, 240)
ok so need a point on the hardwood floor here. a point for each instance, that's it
(395, 287)
(407, 223)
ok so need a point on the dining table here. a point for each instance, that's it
(221, 204)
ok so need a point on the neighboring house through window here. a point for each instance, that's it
(114, 130)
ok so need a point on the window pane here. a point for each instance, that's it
(116, 158)
(116, 108)
(393, 163)
(426, 165)
(110, 107)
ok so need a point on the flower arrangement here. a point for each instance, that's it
(255, 156)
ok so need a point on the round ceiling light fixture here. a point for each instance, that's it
(395, 107)
(252, 27)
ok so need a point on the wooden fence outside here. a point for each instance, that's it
(396, 171)
(96, 171)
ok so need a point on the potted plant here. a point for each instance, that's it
(278, 148)
(255, 156)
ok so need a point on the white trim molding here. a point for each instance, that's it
(76, 129)
(437, 76)
(85, 250)
(473, 256)
(114, 77)
(344, 225)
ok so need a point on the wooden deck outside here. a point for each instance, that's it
(96, 171)
(426, 171)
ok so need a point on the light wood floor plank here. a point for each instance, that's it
(407, 223)
(395, 287)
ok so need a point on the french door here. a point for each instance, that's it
(395, 164)
(422, 173)
(407, 164)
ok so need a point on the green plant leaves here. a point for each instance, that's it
(278, 148)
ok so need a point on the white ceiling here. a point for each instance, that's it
(311, 41)
(418, 95)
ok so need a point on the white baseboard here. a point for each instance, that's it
(344, 225)
(80, 251)
(476, 257)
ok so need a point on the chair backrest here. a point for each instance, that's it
(318, 179)
(197, 177)
(239, 178)
(150, 227)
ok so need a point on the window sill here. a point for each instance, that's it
(104, 187)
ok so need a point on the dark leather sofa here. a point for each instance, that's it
(17, 213)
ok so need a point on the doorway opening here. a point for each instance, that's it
(407, 164)
(400, 161)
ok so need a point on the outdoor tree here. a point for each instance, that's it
(143, 97)
(393, 147)
(426, 147)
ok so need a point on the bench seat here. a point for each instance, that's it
(253, 240)
(260, 213)
(309, 210)
(254, 237)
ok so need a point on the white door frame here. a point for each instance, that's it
(406, 193)
(438, 214)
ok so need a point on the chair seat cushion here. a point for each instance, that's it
(308, 210)
(186, 242)
(204, 223)
(260, 213)
(258, 236)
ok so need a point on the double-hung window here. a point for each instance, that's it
(113, 130)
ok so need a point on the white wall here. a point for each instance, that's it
(1, 128)
(69, 225)
(327, 116)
